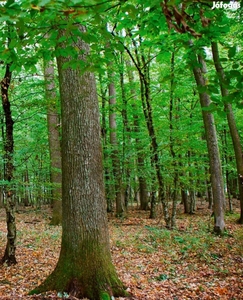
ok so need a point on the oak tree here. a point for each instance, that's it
(84, 268)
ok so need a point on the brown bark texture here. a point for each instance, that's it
(54, 142)
(212, 145)
(231, 123)
(155, 161)
(84, 268)
(9, 254)
(113, 140)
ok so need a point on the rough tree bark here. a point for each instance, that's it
(84, 268)
(54, 142)
(9, 254)
(231, 123)
(212, 145)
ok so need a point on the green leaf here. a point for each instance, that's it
(232, 52)
(235, 66)
(222, 113)
(179, 239)
(119, 47)
(131, 9)
(162, 277)
(223, 59)
(201, 89)
(213, 89)
(104, 296)
(235, 73)
(43, 2)
(212, 107)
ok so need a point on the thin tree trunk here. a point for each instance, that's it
(234, 187)
(231, 123)
(2, 172)
(184, 198)
(107, 175)
(183, 190)
(9, 254)
(225, 158)
(26, 181)
(147, 109)
(126, 171)
(148, 114)
(114, 144)
(143, 193)
(212, 144)
(209, 189)
(191, 190)
(153, 204)
(54, 142)
(172, 152)
(143, 71)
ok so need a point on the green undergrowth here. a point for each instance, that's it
(196, 241)
(183, 243)
(35, 235)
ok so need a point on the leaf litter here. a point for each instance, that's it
(153, 262)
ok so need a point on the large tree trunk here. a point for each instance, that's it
(213, 150)
(232, 125)
(54, 143)
(84, 268)
(9, 254)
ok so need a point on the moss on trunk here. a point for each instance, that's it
(84, 268)
(94, 284)
(84, 271)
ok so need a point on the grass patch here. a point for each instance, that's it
(197, 243)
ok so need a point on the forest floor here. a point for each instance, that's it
(154, 263)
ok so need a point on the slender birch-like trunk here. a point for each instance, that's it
(9, 254)
(232, 125)
(212, 144)
(54, 142)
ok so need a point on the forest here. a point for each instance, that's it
(121, 170)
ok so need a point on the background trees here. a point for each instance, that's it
(54, 124)
(161, 151)
(161, 144)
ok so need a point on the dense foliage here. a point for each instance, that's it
(146, 46)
